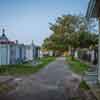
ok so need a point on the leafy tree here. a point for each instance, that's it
(70, 31)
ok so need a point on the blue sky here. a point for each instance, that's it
(27, 20)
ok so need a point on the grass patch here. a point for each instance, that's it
(4, 88)
(77, 66)
(84, 86)
(76, 98)
(24, 69)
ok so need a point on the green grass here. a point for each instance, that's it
(77, 66)
(4, 88)
(84, 86)
(76, 98)
(24, 69)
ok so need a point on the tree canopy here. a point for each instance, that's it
(70, 31)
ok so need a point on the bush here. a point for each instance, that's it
(84, 86)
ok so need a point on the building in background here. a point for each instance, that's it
(7, 50)
(29, 52)
(12, 52)
(36, 52)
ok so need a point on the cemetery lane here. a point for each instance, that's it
(50, 83)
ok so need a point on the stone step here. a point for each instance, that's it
(87, 79)
(92, 82)
(91, 78)
(92, 69)
(91, 74)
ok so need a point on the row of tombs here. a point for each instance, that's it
(12, 52)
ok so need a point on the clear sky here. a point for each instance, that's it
(27, 20)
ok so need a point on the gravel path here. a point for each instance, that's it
(48, 84)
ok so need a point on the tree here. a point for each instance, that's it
(70, 31)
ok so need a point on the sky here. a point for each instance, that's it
(27, 20)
